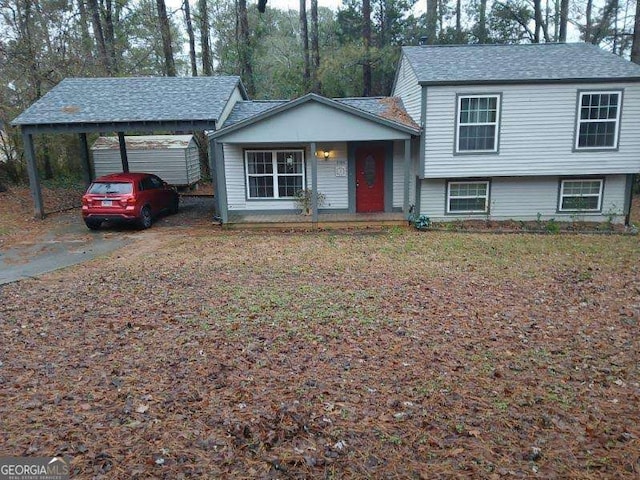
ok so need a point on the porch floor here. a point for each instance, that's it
(325, 220)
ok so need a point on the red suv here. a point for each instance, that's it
(127, 197)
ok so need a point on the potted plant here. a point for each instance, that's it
(303, 200)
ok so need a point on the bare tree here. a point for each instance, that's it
(482, 22)
(205, 42)
(635, 47)
(366, 40)
(304, 34)
(537, 15)
(186, 8)
(99, 35)
(165, 32)
(432, 21)
(315, 47)
(564, 18)
(459, 38)
(244, 47)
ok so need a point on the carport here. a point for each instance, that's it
(124, 105)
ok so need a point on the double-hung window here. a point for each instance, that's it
(274, 173)
(468, 197)
(581, 195)
(477, 123)
(598, 123)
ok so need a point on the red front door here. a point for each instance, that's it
(370, 179)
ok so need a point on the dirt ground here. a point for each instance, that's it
(201, 353)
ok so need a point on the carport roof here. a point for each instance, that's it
(77, 101)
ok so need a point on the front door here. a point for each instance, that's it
(370, 179)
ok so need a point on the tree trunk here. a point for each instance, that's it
(635, 47)
(244, 47)
(109, 36)
(564, 18)
(84, 30)
(482, 22)
(304, 34)
(205, 41)
(366, 40)
(165, 32)
(432, 21)
(192, 40)
(537, 15)
(99, 35)
(459, 21)
(588, 21)
(315, 47)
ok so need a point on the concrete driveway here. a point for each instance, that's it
(69, 242)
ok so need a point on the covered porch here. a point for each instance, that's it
(354, 158)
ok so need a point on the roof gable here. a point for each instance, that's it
(139, 99)
(327, 119)
(530, 63)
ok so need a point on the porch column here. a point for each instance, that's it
(221, 183)
(84, 159)
(32, 169)
(407, 177)
(314, 184)
(123, 152)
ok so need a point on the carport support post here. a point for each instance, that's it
(84, 158)
(314, 184)
(221, 182)
(32, 170)
(123, 152)
(407, 177)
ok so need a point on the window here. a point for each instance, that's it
(584, 195)
(477, 126)
(467, 197)
(108, 188)
(598, 120)
(274, 173)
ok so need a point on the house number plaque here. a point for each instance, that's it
(341, 168)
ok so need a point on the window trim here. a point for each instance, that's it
(581, 179)
(576, 139)
(496, 141)
(448, 210)
(274, 175)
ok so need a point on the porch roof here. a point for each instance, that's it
(385, 112)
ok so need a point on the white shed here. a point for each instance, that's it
(174, 158)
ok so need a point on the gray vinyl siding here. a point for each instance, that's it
(398, 173)
(176, 166)
(522, 198)
(537, 128)
(334, 188)
(407, 88)
(236, 96)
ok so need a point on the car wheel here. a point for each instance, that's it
(145, 217)
(93, 224)
(175, 204)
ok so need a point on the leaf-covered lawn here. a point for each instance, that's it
(330, 355)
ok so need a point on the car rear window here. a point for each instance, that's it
(107, 188)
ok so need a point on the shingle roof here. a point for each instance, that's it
(389, 108)
(546, 62)
(247, 109)
(93, 100)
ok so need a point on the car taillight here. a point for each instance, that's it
(127, 201)
(86, 201)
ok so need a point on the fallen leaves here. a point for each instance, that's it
(191, 355)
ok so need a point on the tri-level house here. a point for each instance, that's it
(522, 131)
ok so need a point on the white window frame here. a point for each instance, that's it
(573, 180)
(468, 182)
(496, 123)
(274, 174)
(580, 121)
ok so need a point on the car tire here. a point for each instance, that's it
(145, 219)
(93, 224)
(175, 205)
